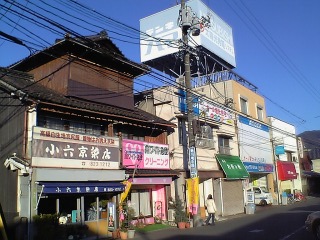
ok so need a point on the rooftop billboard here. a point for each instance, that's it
(160, 33)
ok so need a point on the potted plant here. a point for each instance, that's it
(131, 230)
(123, 231)
(180, 214)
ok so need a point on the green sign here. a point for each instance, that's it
(232, 166)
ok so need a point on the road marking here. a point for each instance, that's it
(288, 236)
(256, 231)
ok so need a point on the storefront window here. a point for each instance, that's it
(140, 201)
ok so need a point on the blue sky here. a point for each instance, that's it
(276, 44)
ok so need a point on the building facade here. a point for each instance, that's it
(63, 129)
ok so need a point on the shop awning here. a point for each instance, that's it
(310, 174)
(232, 166)
(286, 170)
(80, 187)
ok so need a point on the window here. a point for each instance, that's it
(141, 203)
(243, 105)
(77, 127)
(224, 145)
(260, 113)
(289, 156)
(53, 123)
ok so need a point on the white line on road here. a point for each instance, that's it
(288, 236)
(256, 231)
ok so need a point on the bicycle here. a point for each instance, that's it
(291, 199)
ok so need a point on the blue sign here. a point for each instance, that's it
(258, 167)
(193, 162)
(81, 187)
(253, 123)
(279, 150)
(183, 106)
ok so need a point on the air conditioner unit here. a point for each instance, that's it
(200, 143)
(171, 215)
(205, 143)
(206, 131)
(210, 143)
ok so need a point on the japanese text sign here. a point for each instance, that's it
(143, 155)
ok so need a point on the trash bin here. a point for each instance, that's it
(250, 208)
(284, 198)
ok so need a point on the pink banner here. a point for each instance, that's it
(159, 199)
(143, 155)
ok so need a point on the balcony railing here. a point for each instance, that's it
(225, 150)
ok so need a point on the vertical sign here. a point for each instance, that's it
(193, 162)
(111, 216)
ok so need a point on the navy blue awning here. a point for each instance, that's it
(80, 187)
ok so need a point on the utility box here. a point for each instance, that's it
(284, 198)
(250, 208)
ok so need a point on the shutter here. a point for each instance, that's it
(232, 197)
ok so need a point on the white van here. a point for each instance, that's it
(261, 196)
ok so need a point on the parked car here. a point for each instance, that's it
(312, 224)
(261, 196)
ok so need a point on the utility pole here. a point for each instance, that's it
(185, 26)
(187, 19)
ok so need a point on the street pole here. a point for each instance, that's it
(189, 98)
(187, 75)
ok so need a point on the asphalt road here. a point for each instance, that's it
(267, 223)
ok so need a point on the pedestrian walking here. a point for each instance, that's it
(211, 209)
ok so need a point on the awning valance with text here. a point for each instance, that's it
(80, 187)
(286, 170)
(232, 166)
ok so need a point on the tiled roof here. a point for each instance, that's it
(98, 49)
(22, 84)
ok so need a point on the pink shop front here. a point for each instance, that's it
(147, 165)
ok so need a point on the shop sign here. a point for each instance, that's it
(279, 149)
(54, 148)
(144, 155)
(80, 188)
(193, 162)
(214, 112)
(111, 215)
(151, 180)
(258, 167)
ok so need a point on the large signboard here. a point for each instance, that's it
(205, 109)
(144, 155)
(159, 32)
(255, 145)
(55, 148)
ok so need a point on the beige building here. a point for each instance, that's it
(216, 140)
(252, 132)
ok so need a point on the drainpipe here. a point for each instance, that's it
(221, 196)
(30, 204)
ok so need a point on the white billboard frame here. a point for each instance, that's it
(160, 34)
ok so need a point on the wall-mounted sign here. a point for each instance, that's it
(279, 149)
(144, 155)
(193, 162)
(255, 145)
(55, 148)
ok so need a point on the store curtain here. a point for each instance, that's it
(141, 202)
(145, 207)
(135, 202)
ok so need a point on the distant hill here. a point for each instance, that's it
(311, 140)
